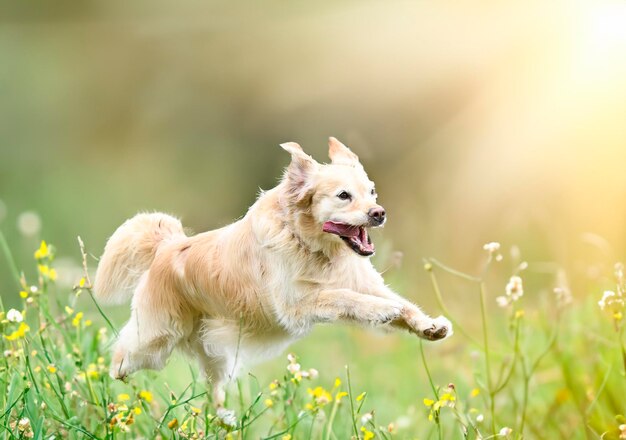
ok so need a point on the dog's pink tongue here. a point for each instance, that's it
(341, 229)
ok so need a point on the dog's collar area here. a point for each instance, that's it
(356, 237)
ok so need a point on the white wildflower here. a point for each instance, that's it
(505, 432)
(622, 431)
(313, 373)
(227, 417)
(14, 316)
(480, 418)
(291, 358)
(514, 288)
(502, 301)
(365, 418)
(611, 300)
(23, 424)
(293, 368)
(492, 247)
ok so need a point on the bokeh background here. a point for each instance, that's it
(479, 121)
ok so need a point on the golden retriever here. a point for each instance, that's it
(246, 291)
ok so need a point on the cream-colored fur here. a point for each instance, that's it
(246, 291)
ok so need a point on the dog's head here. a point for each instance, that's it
(338, 198)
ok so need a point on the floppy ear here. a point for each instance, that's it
(298, 173)
(340, 154)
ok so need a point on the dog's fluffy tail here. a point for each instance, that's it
(129, 253)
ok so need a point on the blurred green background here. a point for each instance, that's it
(479, 121)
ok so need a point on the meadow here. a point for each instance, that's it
(553, 368)
(479, 122)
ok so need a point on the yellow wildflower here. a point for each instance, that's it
(47, 272)
(88, 322)
(286, 437)
(475, 392)
(269, 403)
(173, 423)
(43, 251)
(321, 396)
(69, 310)
(428, 402)
(361, 396)
(44, 270)
(92, 371)
(23, 294)
(123, 397)
(81, 283)
(337, 383)
(19, 333)
(137, 410)
(447, 397)
(195, 411)
(145, 395)
(340, 395)
(273, 385)
(77, 318)
(367, 435)
(51, 368)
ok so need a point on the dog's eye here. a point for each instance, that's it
(343, 195)
(373, 192)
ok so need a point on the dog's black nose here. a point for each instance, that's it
(377, 214)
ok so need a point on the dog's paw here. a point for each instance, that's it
(119, 366)
(437, 329)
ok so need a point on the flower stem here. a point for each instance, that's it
(457, 325)
(430, 379)
(352, 415)
(331, 419)
(432, 385)
(10, 261)
(483, 314)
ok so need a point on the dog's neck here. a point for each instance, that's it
(297, 221)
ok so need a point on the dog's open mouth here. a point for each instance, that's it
(355, 236)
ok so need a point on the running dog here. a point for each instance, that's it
(246, 291)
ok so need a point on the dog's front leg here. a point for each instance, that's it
(336, 304)
(413, 319)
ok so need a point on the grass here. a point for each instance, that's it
(557, 370)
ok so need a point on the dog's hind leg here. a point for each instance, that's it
(214, 369)
(147, 339)
(140, 346)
